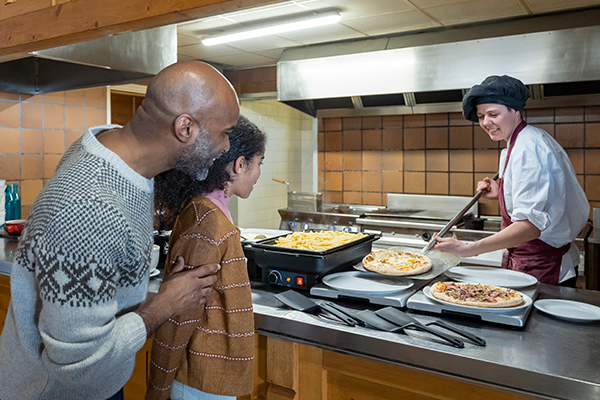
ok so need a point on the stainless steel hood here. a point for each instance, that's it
(386, 76)
(118, 59)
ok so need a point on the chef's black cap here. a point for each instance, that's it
(504, 90)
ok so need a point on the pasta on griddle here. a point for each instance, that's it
(319, 241)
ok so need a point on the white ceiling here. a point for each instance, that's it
(360, 19)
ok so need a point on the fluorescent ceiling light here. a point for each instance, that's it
(317, 19)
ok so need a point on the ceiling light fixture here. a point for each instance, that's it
(317, 19)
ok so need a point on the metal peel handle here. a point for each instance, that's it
(454, 220)
(282, 181)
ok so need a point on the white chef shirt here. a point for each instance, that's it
(540, 185)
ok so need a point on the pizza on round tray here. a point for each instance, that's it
(395, 262)
(476, 295)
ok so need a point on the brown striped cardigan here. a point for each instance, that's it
(210, 348)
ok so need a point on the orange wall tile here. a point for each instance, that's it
(352, 140)
(9, 114)
(32, 141)
(352, 181)
(9, 140)
(352, 160)
(35, 131)
(439, 154)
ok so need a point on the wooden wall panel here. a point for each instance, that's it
(81, 20)
(14, 8)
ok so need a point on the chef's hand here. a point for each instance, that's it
(452, 245)
(490, 186)
(180, 291)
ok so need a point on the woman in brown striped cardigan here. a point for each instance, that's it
(209, 353)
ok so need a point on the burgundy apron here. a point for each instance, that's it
(535, 257)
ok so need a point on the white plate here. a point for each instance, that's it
(154, 272)
(568, 309)
(492, 276)
(366, 282)
(527, 302)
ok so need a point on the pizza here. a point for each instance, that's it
(476, 295)
(395, 262)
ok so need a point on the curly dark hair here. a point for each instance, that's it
(174, 189)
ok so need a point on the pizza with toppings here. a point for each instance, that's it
(476, 295)
(395, 262)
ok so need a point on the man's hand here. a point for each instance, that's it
(181, 290)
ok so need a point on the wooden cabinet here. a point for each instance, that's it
(135, 389)
(4, 298)
(293, 371)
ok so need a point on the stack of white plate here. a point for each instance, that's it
(2, 201)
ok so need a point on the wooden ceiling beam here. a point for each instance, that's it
(25, 27)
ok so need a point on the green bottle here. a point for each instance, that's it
(12, 203)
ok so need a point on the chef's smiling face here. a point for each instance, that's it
(497, 120)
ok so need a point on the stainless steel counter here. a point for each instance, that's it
(549, 358)
(8, 249)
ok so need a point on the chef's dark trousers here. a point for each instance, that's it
(118, 396)
(571, 282)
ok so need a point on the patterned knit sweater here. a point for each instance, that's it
(81, 267)
(212, 348)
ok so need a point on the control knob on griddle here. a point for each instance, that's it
(274, 277)
(426, 236)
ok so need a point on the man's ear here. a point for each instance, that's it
(239, 164)
(182, 127)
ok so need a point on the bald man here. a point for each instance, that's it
(76, 317)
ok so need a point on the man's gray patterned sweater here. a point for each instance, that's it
(81, 267)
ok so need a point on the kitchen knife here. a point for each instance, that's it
(454, 220)
(404, 320)
(300, 302)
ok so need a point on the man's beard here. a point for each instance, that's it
(195, 160)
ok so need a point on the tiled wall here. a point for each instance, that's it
(35, 130)
(291, 150)
(361, 159)
(290, 156)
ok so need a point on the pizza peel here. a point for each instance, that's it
(441, 263)
(373, 320)
(394, 315)
(406, 321)
(456, 218)
(300, 302)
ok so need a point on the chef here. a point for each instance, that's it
(542, 204)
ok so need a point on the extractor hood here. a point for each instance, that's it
(123, 58)
(386, 76)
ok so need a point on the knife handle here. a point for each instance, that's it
(475, 339)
